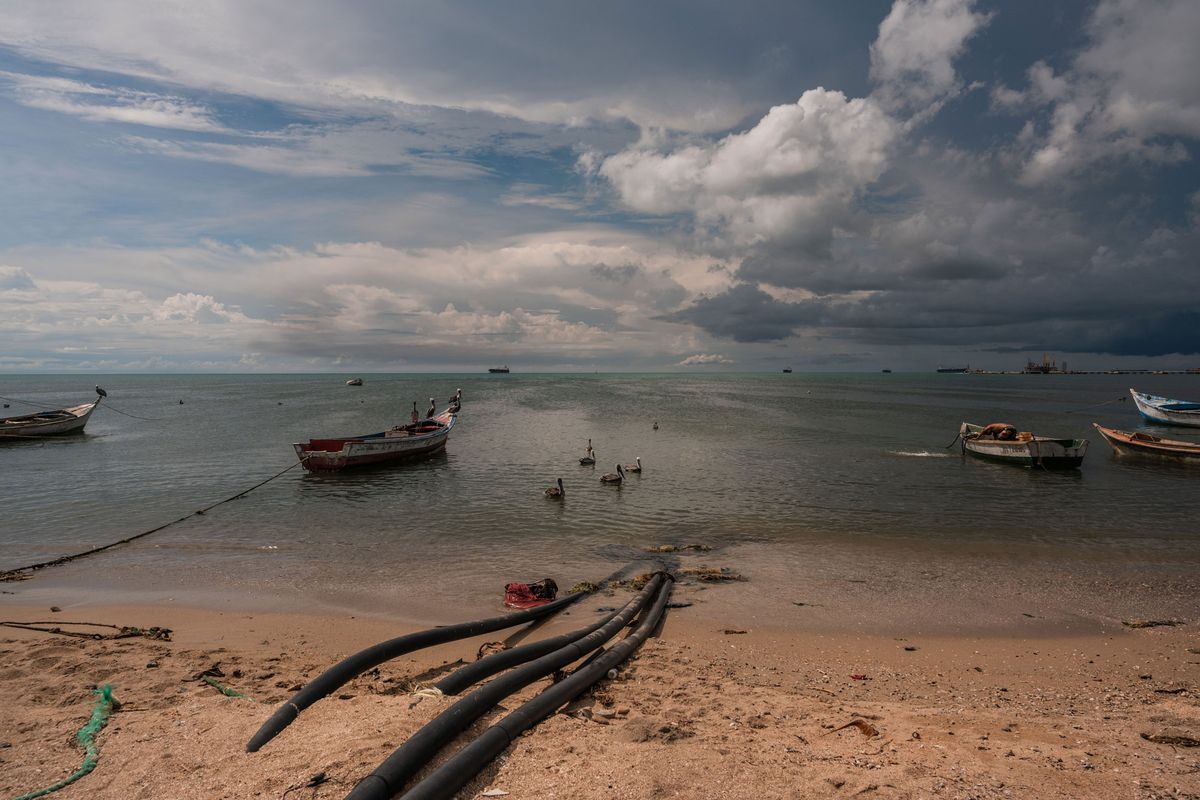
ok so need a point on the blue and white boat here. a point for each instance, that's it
(1166, 411)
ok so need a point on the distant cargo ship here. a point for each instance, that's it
(787, 369)
(967, 368)
(503, 370)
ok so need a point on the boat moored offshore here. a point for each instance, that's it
(1166, 411)
(1005, 444)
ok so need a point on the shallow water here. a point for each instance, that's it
(775, 469)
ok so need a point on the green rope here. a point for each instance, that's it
(225, 690)
(105, 704)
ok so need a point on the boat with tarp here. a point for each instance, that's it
(1003, 443)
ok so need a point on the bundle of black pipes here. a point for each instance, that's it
(464, 765)
(343, 672)
(391, 775)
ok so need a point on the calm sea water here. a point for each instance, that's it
(782, 468)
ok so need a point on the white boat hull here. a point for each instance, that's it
(1151, 408)
(49, 423)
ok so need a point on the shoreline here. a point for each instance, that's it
(701, 711)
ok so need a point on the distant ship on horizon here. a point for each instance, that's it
(967, 368)
(503, 370)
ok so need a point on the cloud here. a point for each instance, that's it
(912, 60)
(704, 359)
(102, 104)
(793, 176)
(1129, 93)
(15, 279)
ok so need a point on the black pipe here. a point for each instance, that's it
(344, 671)
(406, 761)
(464, 765)
(485, 667)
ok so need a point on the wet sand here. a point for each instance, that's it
(709, 709)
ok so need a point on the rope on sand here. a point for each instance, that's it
(105, 705)
(19, 573)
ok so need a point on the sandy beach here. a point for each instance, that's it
(705, 710)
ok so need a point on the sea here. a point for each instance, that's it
(819, 489)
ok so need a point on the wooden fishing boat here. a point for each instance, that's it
(1166, 411)
(398, 444)
(1023, 449)
(49, 423)
(1143, 444)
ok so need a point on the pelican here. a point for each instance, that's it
(556, 492)
(634, 467)
(656, 425)
(100, 391)
(432, 409)
(590, 458)
(613, 477)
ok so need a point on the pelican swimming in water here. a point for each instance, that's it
(613, 477)
(655, 424)
(590, 458)
(556, 492)
(634, 467)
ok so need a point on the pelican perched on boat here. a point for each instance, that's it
(613, 477)
(634, 467)
(432, 409)
(589, 459)
(556, 492)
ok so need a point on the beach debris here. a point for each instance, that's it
(584, 586)
(711, 574)
(55, 609)
(214, 671)
(809, 605)
(678, 604)
(1172, 689)
(488, 648)
(732, 631)
(866, 728)
(225, 690)
(910, 648)
(859, 677)
(122, 631)
(151, 664)
(1172, 736)
(493, 793)
(1151, 623)
(530, 595)
(678, 548)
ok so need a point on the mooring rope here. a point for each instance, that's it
(27, 402)
(19, 572)
(132, 416)
(1120, 399)
(101, 711)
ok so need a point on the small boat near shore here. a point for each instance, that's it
(1004, 444)
(401, 443)
(49, 423)
(1166, 411)
(354, 382)
(1143, 444)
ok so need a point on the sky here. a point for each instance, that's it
(689, 186)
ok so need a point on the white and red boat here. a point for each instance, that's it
(398, 444)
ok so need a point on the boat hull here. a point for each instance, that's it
(1038, 451)
(1157, 409)
(1132, 443)
(376, 449)
(49, 423)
